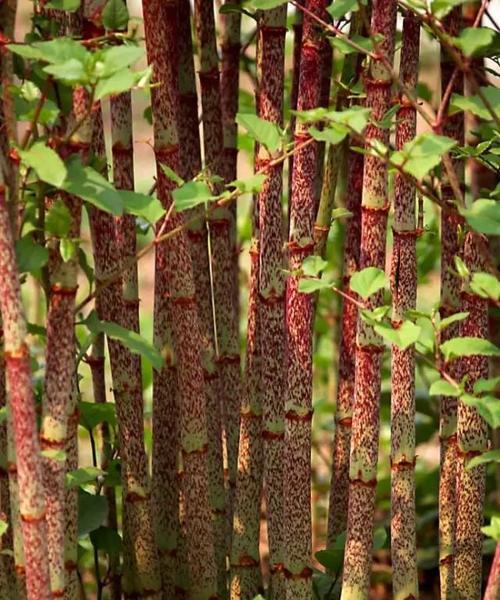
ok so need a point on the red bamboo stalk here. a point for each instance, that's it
(22, 407)
(450, 290)
(297, 44)
(404, 295)
(189, 138)
(174, 280)
(222, 245)
(493, 587)
(271, 73)
(369, 348)
(299, 322)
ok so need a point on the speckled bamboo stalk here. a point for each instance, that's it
(22, 406)
(404, 296)
(493, 586)
(326, 78)
(297, 43)
(299, 322)
(472, 438)
(220, 227)
(271, 74)
(127, 389)
(189, 138)
(174, 279)
(450, 290)
(369, 346)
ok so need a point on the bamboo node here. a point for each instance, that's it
(345, 422)
(33, 518)
(306, 573)
(134, 497)
(404, 233)
(358, 481)
(59, 290)
(295, 248)
(447, 560)
(370, 348)
(376, 209)
(246, 561)
(278, 31)
(228, 359)
(183, 300)
(403, 464)
(277, 568)
(70, 565)
(272, 435)
(293, 415)
(58, 593)
(19, 353)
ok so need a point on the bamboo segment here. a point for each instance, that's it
(493, 588)
(450, 291)
(299, 322)
(175, 283)
(271, 73)
(404, 294)
(22, 407)
(365, 422)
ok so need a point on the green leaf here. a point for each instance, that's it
(130, 339)
(66, 5)
(116, 84)
(422, 154)
(107, 540)
(115, 15)
(70, 72)
(493, 529)
(343, 45)
(30, 256)
(333, 557)
(191, 194)
(172, 175)
(379, 538)
(266, 133)
(484, 216)
(264, 4)
(485, 457)
(82, 476)
(441, 387)
(468, 346)
(142, 205)
(461, 267)
(475, 40)
(68, 249)
(447, 321)
(252, 185)
(485, 285)
(117, 58)
(45, 162)
(58, 220)
(93, 414)
(3, 527)
(333, 134)
(487, 406)
(340, 8)
(313, 265)
(440, 8)
(486, 385)
(56, 51)
(368, 281)
(92, 512)
(403, 336)
(356, 117)
(338, 213)
(90, 185)
(475, 105)
(310, 286)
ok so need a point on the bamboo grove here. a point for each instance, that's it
(249, 300)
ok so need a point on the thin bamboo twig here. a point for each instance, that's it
(369, 346)
(175, 283)
(22, 406)
(299, 322)
(404, 294)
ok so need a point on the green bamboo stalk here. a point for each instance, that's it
(189, 138)
(453, 127)
(299, 322)
(271, 75)
(21, 404)
(222, 246)
(174, 280)
(404, 296)
(365, 422)
(127, 388)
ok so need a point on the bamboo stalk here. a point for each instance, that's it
(299, 322)
(493, 587)
(271, 304)
(297, 44)
(369, 346)
(220, 227)
(404, 294)
(189, 138)
(21, 404)
(174, 277)
(450, 290)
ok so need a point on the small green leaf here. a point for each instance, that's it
(252, 185)
(403, 336)
(68, 249)
(66, 5)
(461, 267)
(117, 58)
(172, 175)
(92, 414)
(333, 134)
(70, 72)
(493, 529)
(313, 265)
(116, 84)
(338, 213)
(484, 216)
(441, 387)
(107, 540)
(92, 512)
(379, 538)
(310, 286)
(485, 285)
(82, 476)
(486, 385)
(191, 194)
(475, 105)
(340, 8)
(447, 321)
(45, 162)
(424, 153)
(58, 220)
(368, 281)
(468, 346)
(485, 457)
(342, 44)
(355, 118)
(440, 8)
(264, 4)
(3, 527)
(30, 256)
(142, 205)
(333, 557)
(475, 40)
(266, 133)
(115, 15)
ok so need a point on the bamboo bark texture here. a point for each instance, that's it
(369, 346)
(175, 292)
(298, 323)
(404, 296)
